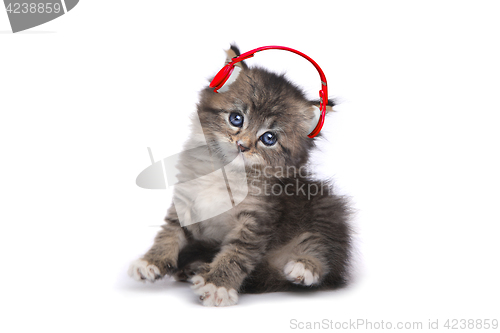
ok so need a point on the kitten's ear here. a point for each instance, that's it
(317, 113)
(238, 67)
(234, 52)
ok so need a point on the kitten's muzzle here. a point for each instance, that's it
(241, 147)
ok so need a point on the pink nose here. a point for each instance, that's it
(241, 147)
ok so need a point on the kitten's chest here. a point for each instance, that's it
(205, 207)
(228, 224)
(208, 196)
(214, 230)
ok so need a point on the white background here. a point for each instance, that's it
(414, 142)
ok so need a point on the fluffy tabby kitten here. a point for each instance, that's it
(290, 231)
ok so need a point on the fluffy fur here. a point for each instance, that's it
(270, 241)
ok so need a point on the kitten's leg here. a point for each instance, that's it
(302, 260)
(244, 247)
(162, 258)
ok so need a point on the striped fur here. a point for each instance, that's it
(271, 241)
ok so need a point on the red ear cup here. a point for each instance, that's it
(222, 77)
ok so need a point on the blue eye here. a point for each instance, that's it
(268, 138)
(236, 119)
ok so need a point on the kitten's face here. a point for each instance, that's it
(262, 116)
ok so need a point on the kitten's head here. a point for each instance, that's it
(262, 116)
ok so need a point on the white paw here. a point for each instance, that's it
(299, 274)
(140, 270)
(211, 295)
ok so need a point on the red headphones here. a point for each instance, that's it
(226, 71)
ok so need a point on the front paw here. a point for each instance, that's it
(141, 270)
(211, 295)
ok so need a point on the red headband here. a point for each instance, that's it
(224, 74)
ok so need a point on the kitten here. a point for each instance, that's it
(288, 232)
